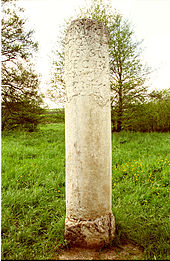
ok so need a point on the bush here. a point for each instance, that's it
(150, 116)
(20, 115)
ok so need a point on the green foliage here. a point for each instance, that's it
(149, 116)
(127, 71)
(16, 42)
(33, 192)
(20, 94)
(128, 74)
(20, 115)
(98, 10)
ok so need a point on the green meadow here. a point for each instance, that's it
(33, 192)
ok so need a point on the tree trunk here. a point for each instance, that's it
(120, 110)
(119, 125)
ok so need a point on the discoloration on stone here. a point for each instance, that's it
(90, 233)
(88, 133)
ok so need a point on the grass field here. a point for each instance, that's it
(33, 192)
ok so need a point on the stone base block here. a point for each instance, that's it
(90, 233)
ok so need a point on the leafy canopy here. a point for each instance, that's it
(20, 84)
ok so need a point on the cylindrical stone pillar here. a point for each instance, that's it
(89, 220)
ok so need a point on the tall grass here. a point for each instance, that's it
(141, 168)
(33, 192)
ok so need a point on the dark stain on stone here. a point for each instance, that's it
(76, 148)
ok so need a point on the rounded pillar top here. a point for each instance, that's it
(89, 28)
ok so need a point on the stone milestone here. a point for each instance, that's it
(89, 220)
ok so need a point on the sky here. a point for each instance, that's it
(150, 20)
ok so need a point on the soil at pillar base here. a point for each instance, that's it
(89, 220)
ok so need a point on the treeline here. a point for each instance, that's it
(149, 116)
(133, 109)
(153, 115)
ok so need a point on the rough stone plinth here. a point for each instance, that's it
(89, 219)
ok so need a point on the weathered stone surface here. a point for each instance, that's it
(90, 233)
(87, 61)
(88, 133)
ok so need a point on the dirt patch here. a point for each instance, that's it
(124, 251)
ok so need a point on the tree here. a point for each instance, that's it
(151, 115)
(20, 98)
(159, 104)
(56, 83)
(56, 90)
(20, 84)
(128, 74)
